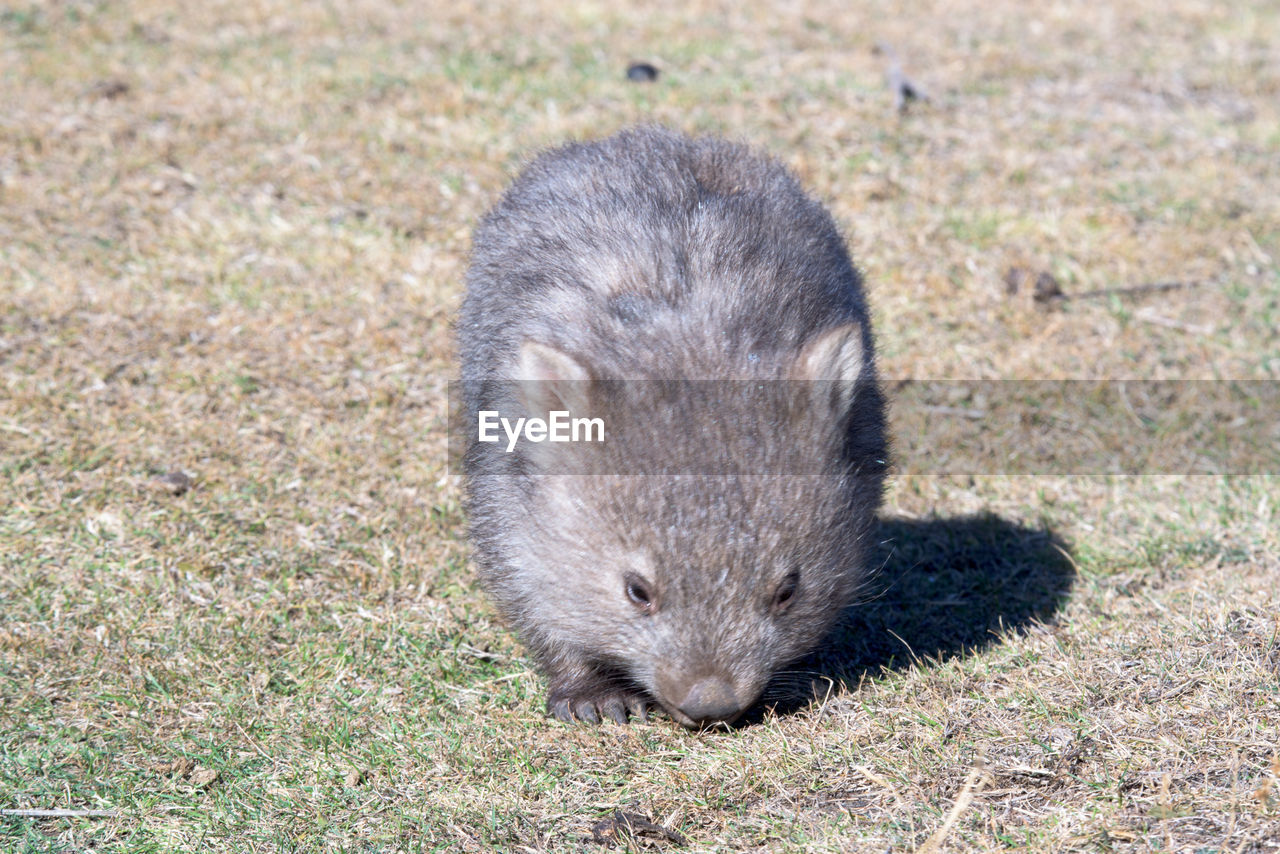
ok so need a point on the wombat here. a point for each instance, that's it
(688, 294)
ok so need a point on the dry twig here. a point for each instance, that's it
(61, 813)
(971, 785)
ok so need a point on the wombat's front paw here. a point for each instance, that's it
(595, 701)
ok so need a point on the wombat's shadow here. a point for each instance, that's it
(942, 588)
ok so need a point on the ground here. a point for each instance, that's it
(236, 611)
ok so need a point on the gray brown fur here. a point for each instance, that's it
(652, 256)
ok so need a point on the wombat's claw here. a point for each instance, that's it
(592, 708)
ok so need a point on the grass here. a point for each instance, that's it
(231, 244)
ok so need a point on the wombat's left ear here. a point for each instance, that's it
(833, 362)
(551, 379)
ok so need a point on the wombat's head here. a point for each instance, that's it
(717, 531)
(697, 588)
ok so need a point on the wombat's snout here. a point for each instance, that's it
(710, 699)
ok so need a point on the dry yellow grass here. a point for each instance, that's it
(231, 243)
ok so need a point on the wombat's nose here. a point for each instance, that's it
(710, 700)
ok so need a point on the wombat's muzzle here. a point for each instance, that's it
(709, 700)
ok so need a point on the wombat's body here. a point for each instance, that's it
(715, 535)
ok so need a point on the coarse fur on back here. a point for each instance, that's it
(723, 526)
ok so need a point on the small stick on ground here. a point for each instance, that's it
(1146, 288)
(61, 813)
(934, 843)
(1044, 288)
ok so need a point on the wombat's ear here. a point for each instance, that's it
(832, 363)
(551, 379)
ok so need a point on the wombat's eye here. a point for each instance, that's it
(639, 594)
(786, 592)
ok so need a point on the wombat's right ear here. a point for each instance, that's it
(833, 362)
(551, 379)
